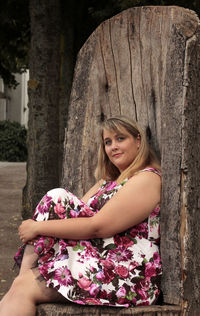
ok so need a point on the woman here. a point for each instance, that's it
(107, 257)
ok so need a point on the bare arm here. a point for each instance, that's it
(129, 206)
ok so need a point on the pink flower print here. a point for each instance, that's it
(84, 283)
(140, 230)
(62, 244)
(142, 288)
(92, 269)
(156, 258)
(48, 242)
(147, 303)
(104, 294)
(111, 186)
(120, 254)
(121, 292)
(44, 205)
(60, 210)
(71, 243)
(71, 202)
(132, 266)
(43, 269)
(86, 212)
(44, 244)
(122, 271)
(134, 300)
(91, 251)
(85, 243)
(123, 301)
(73, 214)
(109, 276)
(155, 212)
(100, 276)
(63, 276)
(150, 270)
(107, 264)
(94, 202)
(123, 241)
(79, 302)
(126, 241)
(92, 300)
(94, 289)
(46, 257)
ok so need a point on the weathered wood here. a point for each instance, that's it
(78, 310)
(180, 132)
(145, 63)
(190, 176)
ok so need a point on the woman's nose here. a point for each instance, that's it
(114, 145)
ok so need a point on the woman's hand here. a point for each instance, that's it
(27, 230)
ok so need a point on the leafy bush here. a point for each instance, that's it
(12, 141)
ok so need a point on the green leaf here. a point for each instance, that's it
(111, 246)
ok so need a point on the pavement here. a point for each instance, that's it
(12, 181)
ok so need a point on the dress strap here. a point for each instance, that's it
(152, 170)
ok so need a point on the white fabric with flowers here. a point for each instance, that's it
(120, 271)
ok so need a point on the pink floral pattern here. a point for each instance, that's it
(123, 270)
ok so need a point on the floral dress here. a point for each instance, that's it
(123, 270)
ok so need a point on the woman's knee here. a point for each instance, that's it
(19, 286)
(57, 193)
(31, 286)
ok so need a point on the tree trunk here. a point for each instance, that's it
(43, 90)
(145, 63)
(55, 38)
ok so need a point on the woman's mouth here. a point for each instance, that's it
(116, 155)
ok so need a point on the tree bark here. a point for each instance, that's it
(145, 63)
(56, 35)
(43, 90)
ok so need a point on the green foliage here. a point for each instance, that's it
(14, 39)
(12, 141)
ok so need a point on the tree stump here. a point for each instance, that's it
(145, 63)
(79, 310)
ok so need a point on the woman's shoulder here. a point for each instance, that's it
(151, 169)
(145, 177)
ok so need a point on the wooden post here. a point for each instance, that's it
(181, 165)
(145, 63)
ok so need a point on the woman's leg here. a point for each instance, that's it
(25, 293)
(29, 259)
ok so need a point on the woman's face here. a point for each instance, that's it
(121, 147)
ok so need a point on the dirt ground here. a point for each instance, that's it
(12, 181)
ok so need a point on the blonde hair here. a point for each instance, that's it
(146, 157)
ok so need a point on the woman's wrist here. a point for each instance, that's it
(37, 230)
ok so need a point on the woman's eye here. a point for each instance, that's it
(107, 142)
(120, 138)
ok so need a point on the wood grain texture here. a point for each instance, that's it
(78, 310)
(145, 63)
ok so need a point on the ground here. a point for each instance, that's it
(12, 181)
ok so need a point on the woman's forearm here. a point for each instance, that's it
(72, 228)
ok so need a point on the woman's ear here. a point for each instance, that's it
(138, 141)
